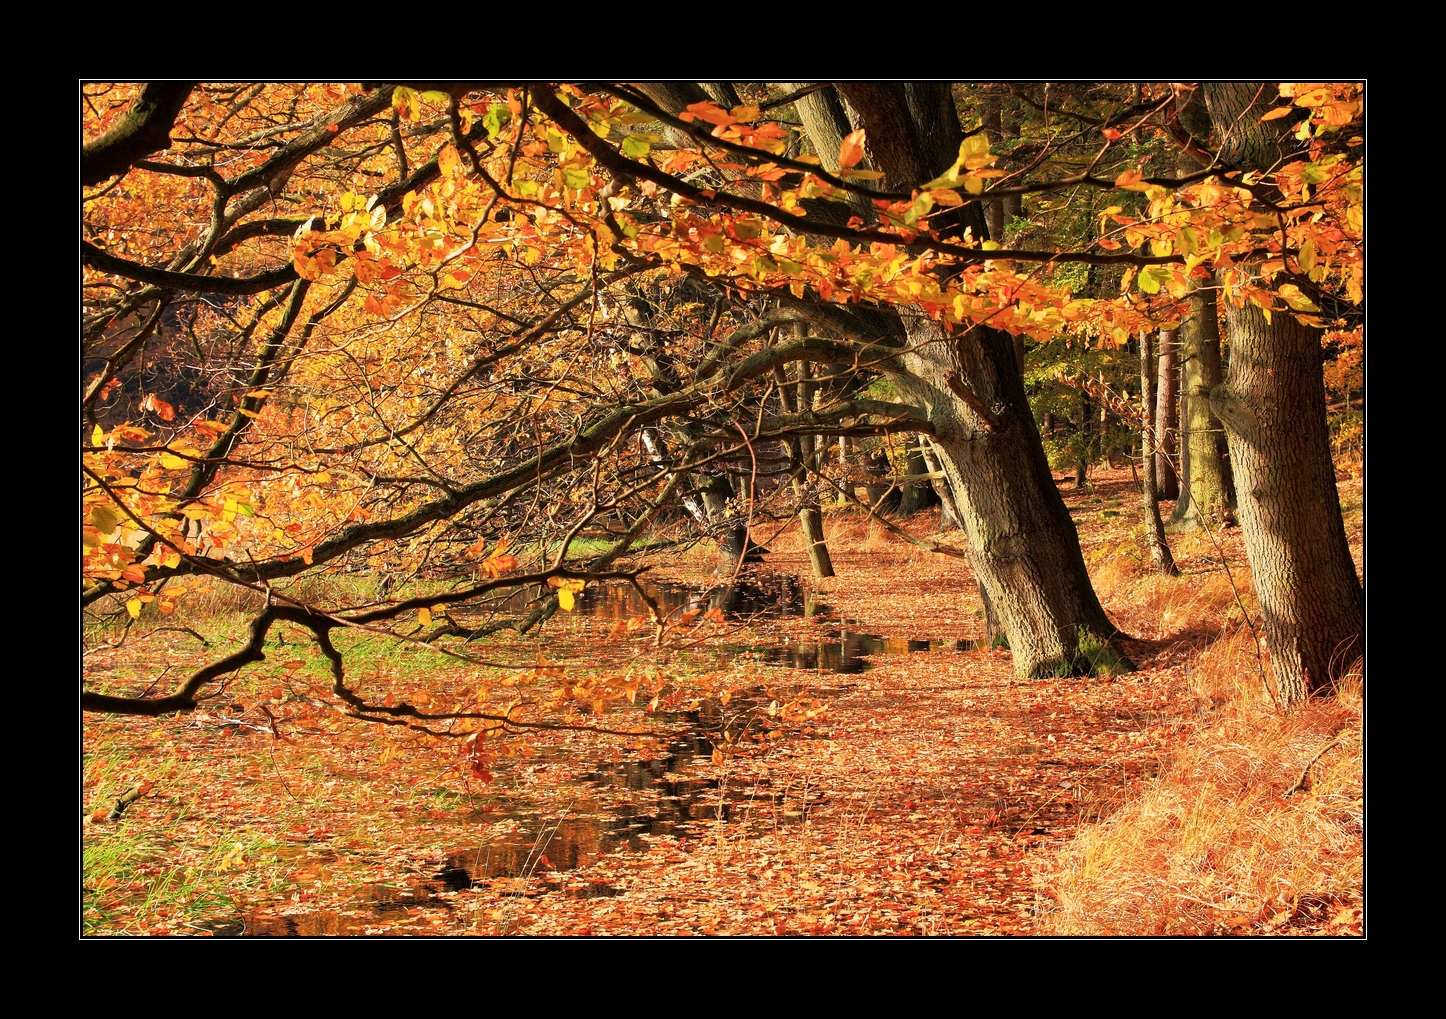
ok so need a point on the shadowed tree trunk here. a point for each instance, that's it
(949, 513)
(1274, 412)
(916, 494)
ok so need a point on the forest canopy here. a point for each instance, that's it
(496, 334)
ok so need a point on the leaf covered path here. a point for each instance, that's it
(924, 795)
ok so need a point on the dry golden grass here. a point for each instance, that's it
(1254, 823)
(1253, 826)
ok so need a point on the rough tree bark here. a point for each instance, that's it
(1274, 411)
(144, 128)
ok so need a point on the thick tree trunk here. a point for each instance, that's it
(1154, 526)
(1023, 545)
(1167, 418)
(1274, 412)
(1273, 407)
(1207, 489)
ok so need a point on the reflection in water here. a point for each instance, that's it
(756, 593)
(848, 652)
(620, 806)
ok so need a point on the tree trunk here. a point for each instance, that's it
(994, 207)
(1273, 407)
(796, 397)
(1207, 490)
(1082, 443)
(1274, 411)
(1167, 418)
(915, 493)
(1154, 526)
(1023, 544)
(811, 520)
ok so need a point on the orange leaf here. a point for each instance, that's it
(1110, 133)
(851, 150)
(1275, 114)
(163, 410)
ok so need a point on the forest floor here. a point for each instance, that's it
(855, 766)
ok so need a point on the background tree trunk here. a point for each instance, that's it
(1207, 490)
(949, 509)
(1154, 526)
(916, 494)
(1167, 418)
(804, 451)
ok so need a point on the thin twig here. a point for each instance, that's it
(1305, 772)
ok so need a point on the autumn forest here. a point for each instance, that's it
(770, 508)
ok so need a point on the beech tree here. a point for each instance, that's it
(461, 324)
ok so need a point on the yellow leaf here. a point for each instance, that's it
(448, 161)
(974, 152)
(134, 608)
(1307, 256)
(424, 616)
(565, 599)
(104, 519)
(97, 437)
(171, 461)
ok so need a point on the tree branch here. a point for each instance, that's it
(143, 129)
